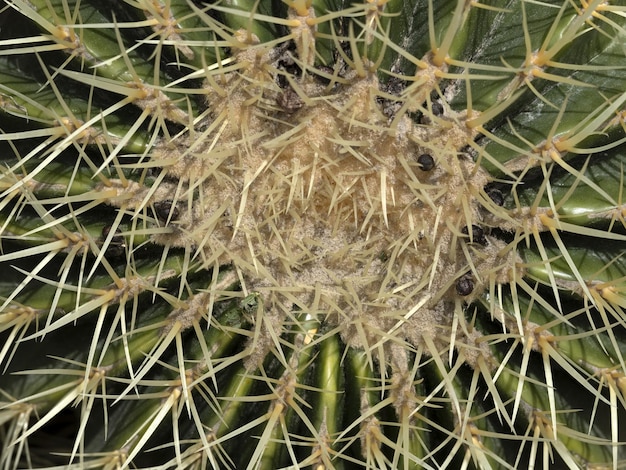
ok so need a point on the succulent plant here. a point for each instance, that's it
(312, 234)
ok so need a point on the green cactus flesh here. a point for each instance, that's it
(312, 234)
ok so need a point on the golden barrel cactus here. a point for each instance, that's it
(312, 234)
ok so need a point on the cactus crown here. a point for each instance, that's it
(259, 215)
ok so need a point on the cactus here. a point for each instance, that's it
(312, 234)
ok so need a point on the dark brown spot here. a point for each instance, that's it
(477, 235)
(464, 285)
(426, 161)
(166, 210)
(437, 108)
(495, 195)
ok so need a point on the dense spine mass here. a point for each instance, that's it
(318, 234)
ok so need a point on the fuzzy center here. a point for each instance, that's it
(328, 203)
